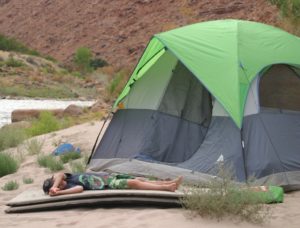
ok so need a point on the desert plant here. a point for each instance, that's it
(34, 146)
(222, 197)
(97, 63)
(73, 155)
(8, 164)
(11, 137)
(11, 44)
(20, 155)
(82, 59)
(77, 74)
(11, 62)
(43, 160)
(11, 185)
(27, 180)
(50, 162)
(288, 8)
(77, 166)
(116, 84)
(46, 123)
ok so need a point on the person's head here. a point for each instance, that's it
(48, 183)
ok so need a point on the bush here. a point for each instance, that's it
(82, 59)
(77, 167)
(11, 44)
(11, 62)
(34, 146)
(11, 137)
(50, 162)
(69, 156)
(27, 180)
(97, 63)
(77, 74)
(221, 198)
(8, 164)
(288, 8)
(116, 85)
(45, 124)
(11, 185)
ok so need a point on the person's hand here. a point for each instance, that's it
(53, 191)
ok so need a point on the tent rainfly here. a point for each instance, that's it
(225, 91)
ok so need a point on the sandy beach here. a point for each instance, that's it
(286, 214)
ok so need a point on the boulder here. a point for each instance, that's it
(99, 106)
(73, 110)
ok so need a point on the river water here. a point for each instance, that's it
(8, 105)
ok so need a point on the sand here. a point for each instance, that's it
(286, 214)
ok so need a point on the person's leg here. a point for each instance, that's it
(177, 181)
(147, 185)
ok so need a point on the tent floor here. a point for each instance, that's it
(36, 200)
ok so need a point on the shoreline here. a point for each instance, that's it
(17, 98)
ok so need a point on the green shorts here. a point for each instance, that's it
(119, 181)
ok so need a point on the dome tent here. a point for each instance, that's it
(207, 93)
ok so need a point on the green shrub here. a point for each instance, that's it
(8, 164)
(77, 166)
(50, 162)
(43, 160)
(11, 137)
(27, 180)
(50, 58)
(221, 198)
(116, 84)
(46, 123)
(97, 63)
(11, 44)
(77, 74)
(288, 8)
(11, 62)
(82, 59)
(69, 156)
(11, 185)
(20, 155)
(34, 146)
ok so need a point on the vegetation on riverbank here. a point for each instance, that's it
(8, 164)
(15, 136)
(26, 73)
(223, 198)
(290, 15)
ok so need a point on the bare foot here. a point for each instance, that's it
(171, 187)
(178, 181)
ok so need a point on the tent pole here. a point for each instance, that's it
(94, 147)
(244, 154)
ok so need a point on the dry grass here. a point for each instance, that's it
(222, 197)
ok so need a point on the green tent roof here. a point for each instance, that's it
(225, 55)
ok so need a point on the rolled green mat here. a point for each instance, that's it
(271, 194)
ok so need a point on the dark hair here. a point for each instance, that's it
(47, 185)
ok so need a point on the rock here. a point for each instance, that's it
(73, 110)
(99, 106)
(22, 114)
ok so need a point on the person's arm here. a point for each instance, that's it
(73, 190)
(57, 179)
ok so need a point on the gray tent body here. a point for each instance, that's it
(184, 130)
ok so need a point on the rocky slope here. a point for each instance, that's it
(118, 30)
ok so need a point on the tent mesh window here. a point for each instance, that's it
(186, 98)
(280, 88)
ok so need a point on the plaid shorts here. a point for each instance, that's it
(119, 181)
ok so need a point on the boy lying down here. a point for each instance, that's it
(66, 183)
